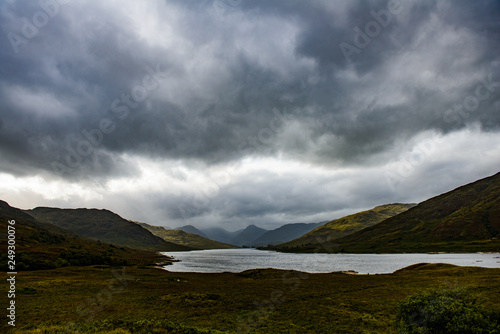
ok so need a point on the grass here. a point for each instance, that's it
(104, 299)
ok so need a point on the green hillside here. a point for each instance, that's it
(105, 226)
(320, 239)
(466, 219)
(186, 239)
(45, 246)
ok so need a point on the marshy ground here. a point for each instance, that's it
(136, 299)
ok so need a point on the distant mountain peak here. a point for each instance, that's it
(181, 237)
(285, 233)
(252, 227)
(191, 229)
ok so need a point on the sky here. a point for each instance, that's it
(236, 112)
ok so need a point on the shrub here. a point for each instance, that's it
(445, 311)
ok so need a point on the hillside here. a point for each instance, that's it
(46, 246)
(466, 219)
(220, 234)
(248, 236)
(285, 233)
(191, 229)
(105, 226)
(181, 237)
(320, 239)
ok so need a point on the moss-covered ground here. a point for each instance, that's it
(136, 299)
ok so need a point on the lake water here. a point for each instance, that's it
(237, 260)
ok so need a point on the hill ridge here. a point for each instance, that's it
(466, 218)
(42, 245)
(321, 236)
(103, 225)
(184, 238)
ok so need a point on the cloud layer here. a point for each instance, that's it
(306, 110)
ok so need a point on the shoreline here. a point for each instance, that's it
(337, 253)
(340, 263)
(345, 272)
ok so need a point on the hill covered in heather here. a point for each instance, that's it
(321, 238)
(466, 219)
(105, 226)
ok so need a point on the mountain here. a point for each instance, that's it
(45, 246)
(105, 226)
(285, 233)
(466, 219)
(181, 237)
(244, 237)
(248, 236)
(320, 239)
(10, 213)
(191, 229)
(220, 234)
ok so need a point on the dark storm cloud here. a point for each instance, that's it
(225, 69)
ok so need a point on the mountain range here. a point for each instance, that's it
(180, 237)
(105, 226)
(40, 245)
(191, 229)
(285, 233)
(220, 234)
(321, 237)
(254, 236)
(244, 237)
(248, 235)
(466, 219)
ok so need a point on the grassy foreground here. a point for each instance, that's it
(102, 299)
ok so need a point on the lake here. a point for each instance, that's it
(237, 260)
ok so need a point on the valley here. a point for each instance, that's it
(101, 273)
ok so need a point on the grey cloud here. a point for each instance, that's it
(239, 79)
(87, 63)
(270, 199)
